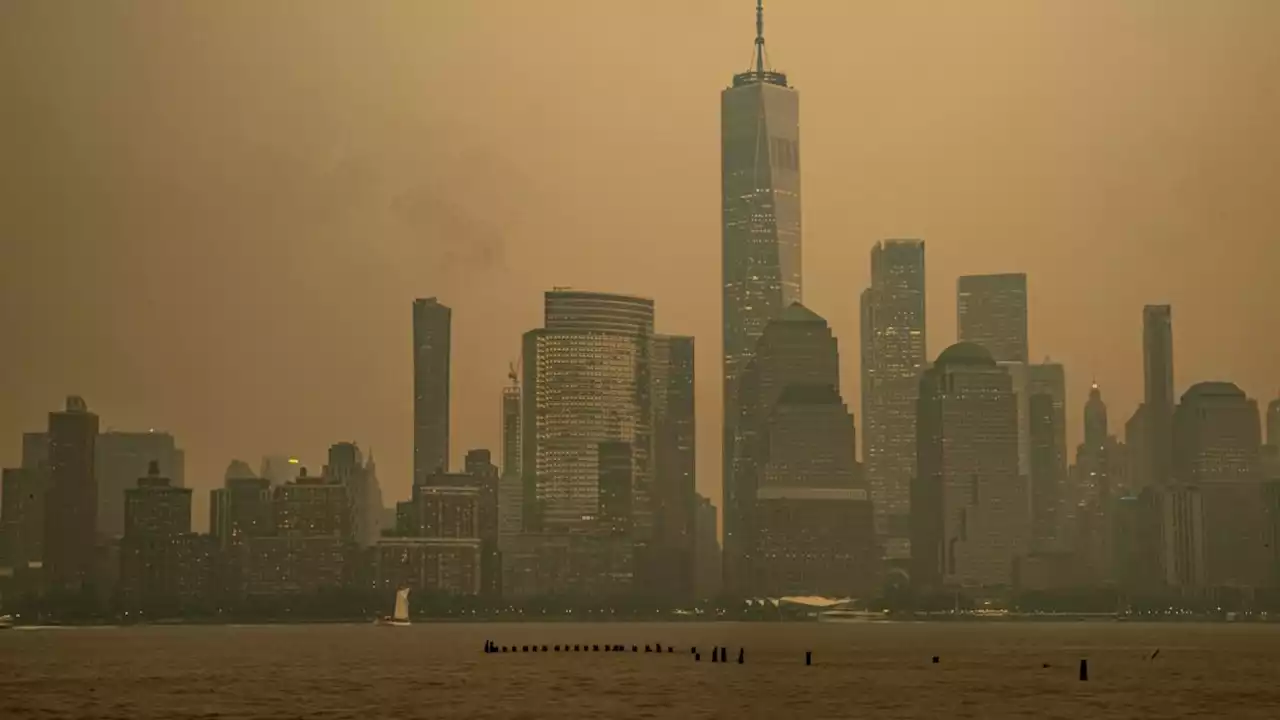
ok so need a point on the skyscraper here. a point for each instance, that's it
(155, 507)
(1273, 423)
(760, 214)
(587, 380)
(347, 466)
(432, 327)
(511, 428)
(894, 354)
(1158, 398)
(796, 348)
(814, 533)
(71, 505)
(1216, 435)
(1050, 379)
(675, 463)
(1093, 457)
(22, 494)
(484, 474)
(707, 556)
(122, 458)
(1048, 475)
(992, 312)
(968, 504)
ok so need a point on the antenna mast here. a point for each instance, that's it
(760, 39)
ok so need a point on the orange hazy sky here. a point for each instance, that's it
(215, 215)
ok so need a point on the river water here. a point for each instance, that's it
(331, 672)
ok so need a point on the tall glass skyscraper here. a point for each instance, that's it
(760, 206)
(587, 382)
(893, 356)
(991, 311)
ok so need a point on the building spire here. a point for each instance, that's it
(760, 38)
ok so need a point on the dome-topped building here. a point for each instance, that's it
(966, 353)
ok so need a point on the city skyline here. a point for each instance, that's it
(313, 333)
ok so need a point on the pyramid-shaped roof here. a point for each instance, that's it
(796, 312)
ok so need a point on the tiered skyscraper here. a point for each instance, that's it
(894, 353)
(796, 349)
(760, 253)
(432, 326)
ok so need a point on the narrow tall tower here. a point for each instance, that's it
(893, 356)
(760, 234)
(432, 326)
(71, 506)
(1158, 399)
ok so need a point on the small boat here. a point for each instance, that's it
(400, 618)
(6, 622)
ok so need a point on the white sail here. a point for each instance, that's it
(402, 606)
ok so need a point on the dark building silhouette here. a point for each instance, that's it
(35, 450)
(241, 509)
(22, 511)
(311, 550)
(761, 272)
(1273, 423)
(484, 474)
(707, 555)
(969, 506)
(446, 535)
(1158, 398)
(813, 519)
(156, 506)
(675, 460)
(348, 467)
(71, 504)
(992, 312)
(1271, 450)
(615, 512)
(510, 483)
(795, 348)
(122, 458)
(894, 353)
(432, 328)
(164, 567)
(1047, 475)
(1216, 435)
(312, 507)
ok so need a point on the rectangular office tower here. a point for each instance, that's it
(760, 214)
(432, 326)
(893, 356)
(991, 311)
(675, 467)
(71, 504)
(1157, 397)
(969, 511)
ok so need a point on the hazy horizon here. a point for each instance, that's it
(216, 216)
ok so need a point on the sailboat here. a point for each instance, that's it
(401, 616)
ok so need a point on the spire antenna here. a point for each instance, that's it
(760, 38)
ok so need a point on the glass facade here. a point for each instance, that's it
(894, 354)
(587, 381)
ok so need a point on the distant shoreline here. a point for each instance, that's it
(902, 619)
